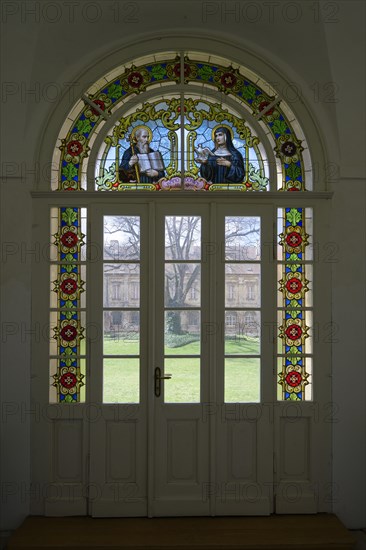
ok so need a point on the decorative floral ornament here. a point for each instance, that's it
(69, 333)
(294, 239)
(294, 332)
(68, 381)
(294, 285)
(69, 240)
(75, 148)
(293, 378)
(69, 286)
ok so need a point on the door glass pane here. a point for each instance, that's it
(182, 238)
(242, 285)
(121, 238)
(242, 309)
(242, 380)
(242, 332)
(182, 285)
(121, 380)
(121, 316)
(184, 386)
(242, 238)
(121, 285)
(121, 332)
(182, 332)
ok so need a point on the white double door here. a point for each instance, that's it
(182, 371)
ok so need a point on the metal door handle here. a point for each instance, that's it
(157, 380)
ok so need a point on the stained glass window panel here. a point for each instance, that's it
(67, 315)
(295, 302)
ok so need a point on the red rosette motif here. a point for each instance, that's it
(293, 378)
(187, 70)
(69, 286)
(100, 104)
(293, 332)
(263, 105)
(135, 79)
(68, 333)
(228, 80)
(294, 285)
(68, 380)
(288, 149)
(69, 239)
(293, 239)
(74, 148)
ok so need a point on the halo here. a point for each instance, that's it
(222, 126)
(133, 132)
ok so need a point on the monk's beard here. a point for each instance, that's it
(143, 147)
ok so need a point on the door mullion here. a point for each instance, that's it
(150, 285)
(213, 283)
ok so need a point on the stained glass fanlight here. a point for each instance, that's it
(181, 139)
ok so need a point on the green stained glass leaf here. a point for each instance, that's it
(115, 91)
(293, 361)
(69, 216)
(158, 72)
(294, 267)
(83, 126)
(68, 399)
(69, 171)
(279, 127)
(293, 216)
(293, 257)
(69, 361)
(294, 350)
(249, 92)
(294, 397)
(293, 171)
(69, 314)
(205, 72)
(294, 314)
(294, 303)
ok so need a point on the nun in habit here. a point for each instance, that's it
(225, 164)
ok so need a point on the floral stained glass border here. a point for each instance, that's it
(68, 356)
(294, 305)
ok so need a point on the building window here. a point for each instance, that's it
(250, 292)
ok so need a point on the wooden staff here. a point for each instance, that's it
(133, 140)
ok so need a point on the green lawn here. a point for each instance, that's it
(238, 346)
(121, 376)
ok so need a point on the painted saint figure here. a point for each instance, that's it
(140, 162)
(225, 164)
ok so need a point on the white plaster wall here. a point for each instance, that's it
(57, 51)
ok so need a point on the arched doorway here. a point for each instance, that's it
(234, 430)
